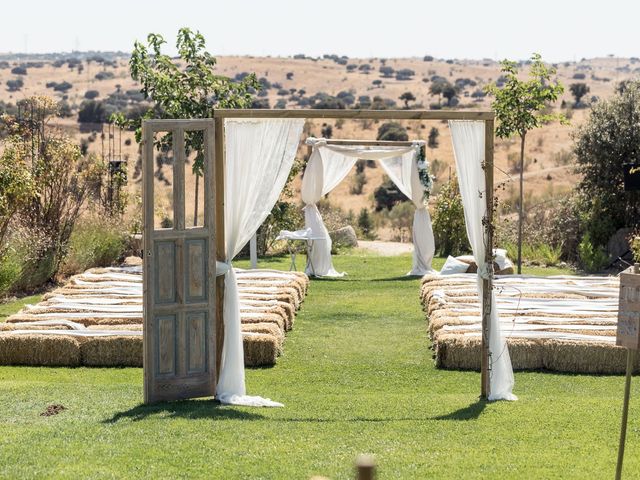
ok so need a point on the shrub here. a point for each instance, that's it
(592, 256)
(401, 219)
(448, 221)
(428, 58)
(92, 111)
(10, 269)
(432, 141)
(386, 71)
(579, 76)
(366, 225)
(392, 131)
(20, 70)
(358, 182)
(96, 241)
(387, 195)
(91, 94)
(104, 75)
(15, 85)
(62, 87)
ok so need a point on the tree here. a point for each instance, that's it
(449, 92)
(448, 220)
(15, 85)
(407, 97)
(579, 90)
(392, 131)
(386, 71)
(432, 140)
(366, 225)
(186, 89)
(521, 106)
(608, 139)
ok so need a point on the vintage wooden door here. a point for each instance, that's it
(179, 262)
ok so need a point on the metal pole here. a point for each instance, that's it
(253, 250)
(631, 355)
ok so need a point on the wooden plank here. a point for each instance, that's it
(147, 229)
(210, 215)
(160, 125)
(178, 179)
(373, 143)
(221, 253)
(487, 284)
(355, 114)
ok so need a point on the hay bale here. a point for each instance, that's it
(268, 328)
(247, 318)
(260, 349)
(7, 327)
(585, 357)
(136, 327)
(112, 351)
(39, 350)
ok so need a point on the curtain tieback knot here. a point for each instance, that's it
(485, 271)
(222, 268)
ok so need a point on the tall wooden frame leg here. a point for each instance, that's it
(221, 253)
(487, 284)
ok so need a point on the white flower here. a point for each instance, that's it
(422, 165)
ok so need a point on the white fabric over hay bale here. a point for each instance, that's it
(562, 323)
(96, 319)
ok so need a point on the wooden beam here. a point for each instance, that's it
(372, 143)
(355, 114)
(221, 251)
(487, 284)
(148, 219)
(209, 191)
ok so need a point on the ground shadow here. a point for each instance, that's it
(403, 278)
(470, 412)
(191, 409)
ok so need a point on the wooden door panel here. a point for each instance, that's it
(179, 277)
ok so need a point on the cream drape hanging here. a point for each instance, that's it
(259, 156)
(329, 165)
(468, 147)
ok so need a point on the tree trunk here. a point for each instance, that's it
(521, 207)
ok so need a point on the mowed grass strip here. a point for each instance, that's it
(356, 376)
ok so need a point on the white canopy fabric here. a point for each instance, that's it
(330, 164)
(259, 156)
(468, 147)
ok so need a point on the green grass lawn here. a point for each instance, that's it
(356, 376)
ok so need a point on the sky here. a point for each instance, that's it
(560, 30)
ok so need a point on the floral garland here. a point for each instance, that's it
(423, 172)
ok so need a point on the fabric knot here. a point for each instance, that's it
(485, 271)
(313, 141)
(222, 268)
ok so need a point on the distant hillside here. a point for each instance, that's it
(304, 82)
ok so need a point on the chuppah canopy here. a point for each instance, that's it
(330, 163)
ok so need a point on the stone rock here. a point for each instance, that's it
(618, 244)
(344, 237)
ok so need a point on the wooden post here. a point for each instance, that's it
(365, 467)
(147, 238)
(221, 251)
(253, 250)
(487, 284)
(631, 355)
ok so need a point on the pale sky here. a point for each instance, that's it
(558, 29)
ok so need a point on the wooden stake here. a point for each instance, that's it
(487, 284)
(631, 355)
(366, 467)
(221, 251)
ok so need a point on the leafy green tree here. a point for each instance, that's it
(366, 224)
(407, 97)
(448, 221)
(608, 139)
(579, 90)
(521, 106)
(393, 131)
(186, 89)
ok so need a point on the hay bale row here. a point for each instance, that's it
(110, 299)
(559, 323)
(261, 348)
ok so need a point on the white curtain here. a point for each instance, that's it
(259, 156)
(330, 164)
(468, 147)
(403, 171)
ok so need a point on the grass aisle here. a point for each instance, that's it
(356, 376)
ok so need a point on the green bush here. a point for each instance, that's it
(449, 228)
(95, 242)
(10, 269)
(592, 257)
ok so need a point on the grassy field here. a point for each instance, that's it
(356, 376)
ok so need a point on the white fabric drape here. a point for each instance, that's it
(330, 164)
(468, 147)
(259, 156)
(403, 171)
